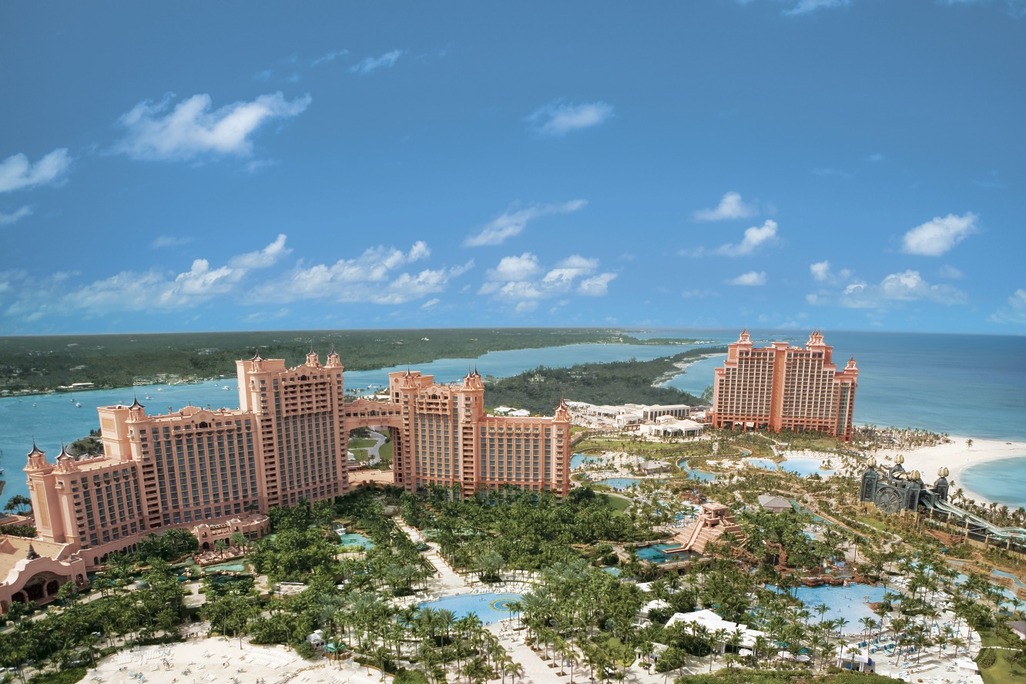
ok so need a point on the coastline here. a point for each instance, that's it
(956, 456)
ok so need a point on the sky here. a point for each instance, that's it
(789, 164)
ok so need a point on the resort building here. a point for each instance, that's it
(781, 387)
(442, 436)
(217, 472)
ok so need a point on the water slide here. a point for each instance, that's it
(1017, 534)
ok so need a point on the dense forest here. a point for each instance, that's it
(37, 364)
(541, 389)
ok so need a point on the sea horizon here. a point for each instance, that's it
(949, 383)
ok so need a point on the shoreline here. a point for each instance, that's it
(956, 456)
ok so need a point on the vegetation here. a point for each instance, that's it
(540, 390)
(37, 364)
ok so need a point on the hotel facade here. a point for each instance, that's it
(218, 472)
(781, 387)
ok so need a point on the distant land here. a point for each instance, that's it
(44, 364)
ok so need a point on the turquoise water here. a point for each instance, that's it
(619, 483)
(578, 460)
(1003, 480)
(489, 608)
(354, 539)
(848, 602)
(656, 553)
(804, 467)
(906, 380)
(694, 473)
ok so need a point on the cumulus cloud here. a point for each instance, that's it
(937, 236)
(1014, 312)
(371, 64)
(17, 173)
(820, 270)
(375, 276)
(512, 223)
(731, 206)
(156, 290)
(752, 278)
(893, 290)
(523, 281)
(191, 129)
(559, 118)
(17, 215)
(755, 237)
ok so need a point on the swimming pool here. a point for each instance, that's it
(764, 463)
(579, 460)
(489, 608)
(804, 467)
(656, 553)
(700, 475)
(354, 539)
(619, 483)
(850, 602)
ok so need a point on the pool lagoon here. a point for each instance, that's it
(489, 608)
(850, 602)
(619, 483)
(656, 553)
(581, 460)
(805, 467)
(355, 539)
(694, 474)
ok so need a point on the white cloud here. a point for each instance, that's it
(893, 290)
(806, 6)
(820, 270)
(512, 223)
(731, 206)
(370, 64)
(191, 129)
(596, 286)
(950, 272)
(329, 57)
(1015, 312)
(268, 256)
(559, 118)
(937, 236)
(755, 237)
(516, 279)
(374, 276)
(752, 278)
(155, 290)
(17, 173)
(17, 215)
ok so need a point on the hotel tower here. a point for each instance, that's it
(781, 387)
(217, 472)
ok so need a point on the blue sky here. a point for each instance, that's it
(766, 163)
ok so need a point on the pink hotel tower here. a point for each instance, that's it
(784, 388)
(217, 472)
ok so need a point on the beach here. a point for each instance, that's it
(956, 456)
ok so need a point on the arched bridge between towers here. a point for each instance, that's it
(368, 413)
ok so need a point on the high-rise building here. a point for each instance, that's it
(217, 472)
(781, 387)
(446, 439)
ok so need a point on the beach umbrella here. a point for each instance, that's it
(785, 655)
(803, 658)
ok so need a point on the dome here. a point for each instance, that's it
(943, 472)
(899, 459)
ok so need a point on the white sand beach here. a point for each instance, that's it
(956, 456)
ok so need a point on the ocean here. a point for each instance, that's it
(972, 385)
